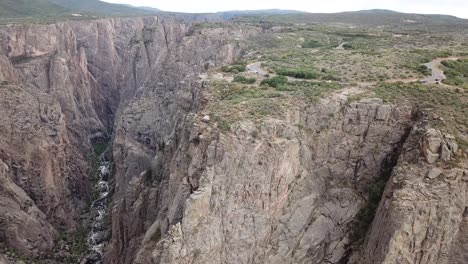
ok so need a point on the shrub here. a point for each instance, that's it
(298, 73)
(424, 70)
(310, 44)
(330, 77)
(275, 81)
(224, 125)
(99, 148)
(347, 46)
(236, 68)
(245, 80)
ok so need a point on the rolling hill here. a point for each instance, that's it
(99, 7)
(29, 8)
(364, 17)
(44, 9)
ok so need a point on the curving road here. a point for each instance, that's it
(437, 74)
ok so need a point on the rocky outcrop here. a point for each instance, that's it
(422, 216)
(284, 191)
(23, 220)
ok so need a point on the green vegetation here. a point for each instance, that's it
(75, 243)
(235, 102)
(300, 73)
(275, 81)
(456, 72)
(449, 103)
(235, 68)
(222, 123)
(424, 70)
(99, 148)
(348, 46)
(28, 8)
(49, 11)
(100, 7)
(311, 44)
(421, 56)
(244, 80)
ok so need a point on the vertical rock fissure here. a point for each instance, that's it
(364, 218)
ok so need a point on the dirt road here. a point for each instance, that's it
(437, 74)
(256, 69)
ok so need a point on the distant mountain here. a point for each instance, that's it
(29, 8)
(147, 8)
(227, 15)
(375, 11)
(364, 17)
(99, 7)
(235, 13)
(18, 9)
(52, 10)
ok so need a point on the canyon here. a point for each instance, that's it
(302, 186)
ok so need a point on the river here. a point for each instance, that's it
(97, 236)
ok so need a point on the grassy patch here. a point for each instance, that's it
(235, 68)
(244, 80)
(222, 123)
(311, 44)
(276, 81)
(448, 103)
(300, 73)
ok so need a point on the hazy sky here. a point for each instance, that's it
(451, 7)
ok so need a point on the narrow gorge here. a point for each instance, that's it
(176, 184)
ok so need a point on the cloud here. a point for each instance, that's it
(450, 7)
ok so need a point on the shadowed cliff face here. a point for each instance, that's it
(46, 128)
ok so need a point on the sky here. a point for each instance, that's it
(450, 7)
